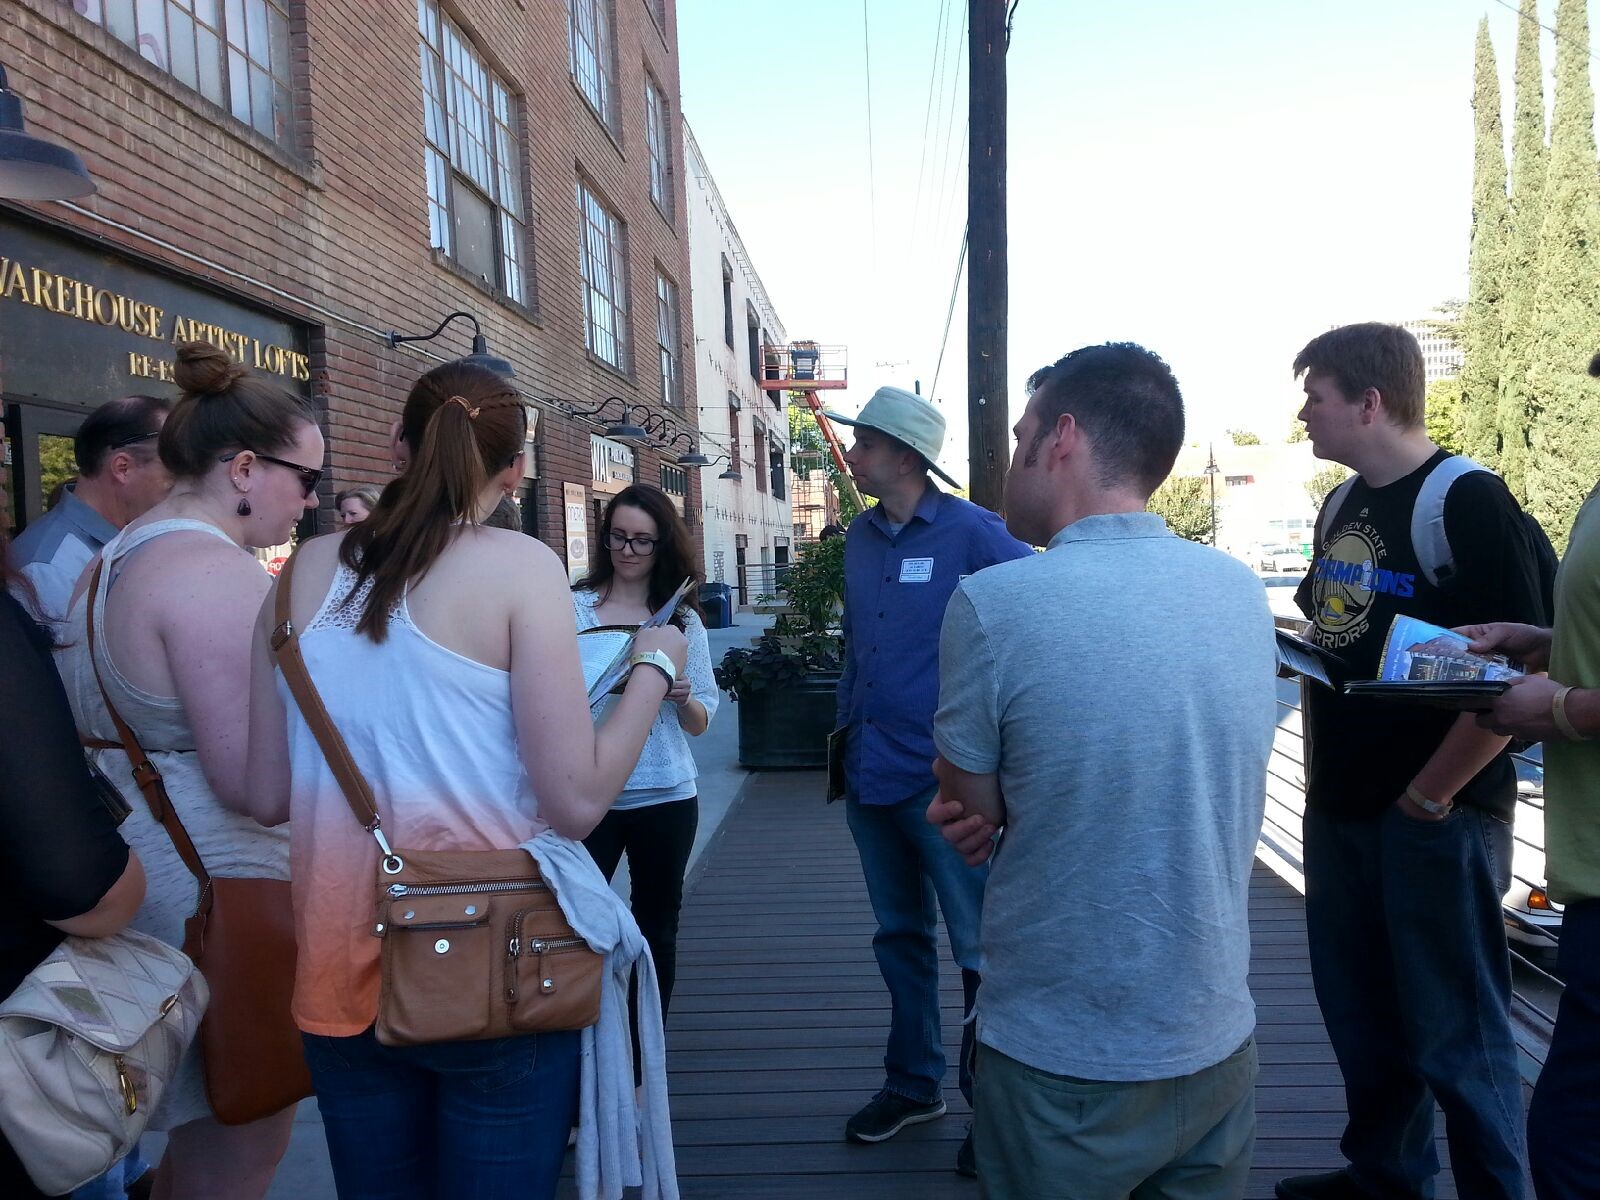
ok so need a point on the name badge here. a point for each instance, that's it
(916, 570)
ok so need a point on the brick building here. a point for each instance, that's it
(294, 180)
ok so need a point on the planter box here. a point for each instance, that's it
(788, 727)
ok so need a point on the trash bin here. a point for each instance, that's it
(717, 601)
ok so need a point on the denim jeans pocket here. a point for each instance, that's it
(1449, 820)
(324, 1055)
(486, 1066)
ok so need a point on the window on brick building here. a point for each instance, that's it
(658, 10)
(658, 137)
(733, 431)
(674, 481)
(759, 453)
(594, 55)
(667, 340)
(474, 167)
(753, 336)
(605, 277)
(727, 301)
(236, 54)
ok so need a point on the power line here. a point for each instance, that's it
(935, 76)
(872, 170)
(955, 286)
(1589, 50)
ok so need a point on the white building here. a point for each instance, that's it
(1441, 357)
(1261, 494)
(748, 530)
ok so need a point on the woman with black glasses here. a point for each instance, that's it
(647, 554)
(174, 613)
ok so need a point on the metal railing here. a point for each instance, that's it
(1283, 851)
(757, 580)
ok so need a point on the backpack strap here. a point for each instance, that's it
(1330, 509)
(357, 791)
(1428, 539)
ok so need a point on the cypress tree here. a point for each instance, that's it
(1565, 413)
(1480, 324)
(1528, 160)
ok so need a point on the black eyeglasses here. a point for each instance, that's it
(644, 547)
(135, 440)
(309, 476)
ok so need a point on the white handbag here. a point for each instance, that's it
(88, 1043)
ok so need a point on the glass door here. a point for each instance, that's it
(39, 459)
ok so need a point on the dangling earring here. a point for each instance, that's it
(244, 506)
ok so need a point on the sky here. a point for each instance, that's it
(1219, 182)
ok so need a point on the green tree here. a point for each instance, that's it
(1479, 333)
(1448, 416)
(1185, 504)
(808, 448)
(1565, 442)
(1324, 481)
(1243, 437)
(1529, 163)
(1297, 432)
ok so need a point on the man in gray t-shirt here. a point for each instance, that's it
(1111, 704)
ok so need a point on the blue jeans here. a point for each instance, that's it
(908, 864)
(1409, 959)
(482, 1119)
(1564, 1118)
(114, 1184)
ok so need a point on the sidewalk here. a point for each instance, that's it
(304, 1173)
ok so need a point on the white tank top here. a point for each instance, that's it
(433, 733)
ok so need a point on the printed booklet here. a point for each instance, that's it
(605, 651)
(1429, 665)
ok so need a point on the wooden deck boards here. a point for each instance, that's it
(779, 1018)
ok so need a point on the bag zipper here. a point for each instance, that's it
(398, 890)
(538, 947)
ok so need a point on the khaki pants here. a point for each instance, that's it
(1053, 1137)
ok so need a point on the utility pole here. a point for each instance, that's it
(988, 417)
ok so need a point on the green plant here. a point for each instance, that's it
(800, 642)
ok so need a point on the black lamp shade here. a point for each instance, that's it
(694, 459)
(32, 168)
(732, 476)
(492, 362)
(626, 431)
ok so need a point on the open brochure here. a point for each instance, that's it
(1430, 665)
(1297, 656)
(605, 651)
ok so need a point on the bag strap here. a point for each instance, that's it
(286, 649)
(145, 773)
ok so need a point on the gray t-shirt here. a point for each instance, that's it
(1122, 686)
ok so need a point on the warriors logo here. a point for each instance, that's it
(1346, 580)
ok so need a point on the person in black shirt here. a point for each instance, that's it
(1408, 810)
(63, 867)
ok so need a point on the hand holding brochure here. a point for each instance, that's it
(1429, 665)
(613, 670)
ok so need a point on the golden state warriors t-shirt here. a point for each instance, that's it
(1364, 752)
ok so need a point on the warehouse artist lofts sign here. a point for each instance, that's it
(81, 324)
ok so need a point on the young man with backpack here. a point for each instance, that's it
(1408, 809)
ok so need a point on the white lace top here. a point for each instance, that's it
(666, 769)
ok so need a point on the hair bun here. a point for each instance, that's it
(206, 370)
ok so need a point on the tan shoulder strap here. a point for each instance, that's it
(145, 773)
(286, 648)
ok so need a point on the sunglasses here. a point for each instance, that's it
(309, 476)
(135, 440)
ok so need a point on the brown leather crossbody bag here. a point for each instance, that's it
(241, 936)
(474, 943)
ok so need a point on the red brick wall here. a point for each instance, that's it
(334, 230)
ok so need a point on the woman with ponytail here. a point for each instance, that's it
(446, 655)
(178, 592)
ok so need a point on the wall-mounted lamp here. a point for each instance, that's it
(732, 474)
(694, 458)
(480, 355)
(30, 167)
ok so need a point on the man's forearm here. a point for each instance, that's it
(979, 795)
(1465, 750)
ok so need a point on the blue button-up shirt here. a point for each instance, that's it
(55, 548)
(896, 587)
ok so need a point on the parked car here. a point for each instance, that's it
(1531, 916)
(1281, 558)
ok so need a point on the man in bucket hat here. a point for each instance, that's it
(903, 559)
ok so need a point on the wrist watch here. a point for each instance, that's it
(658, 660)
